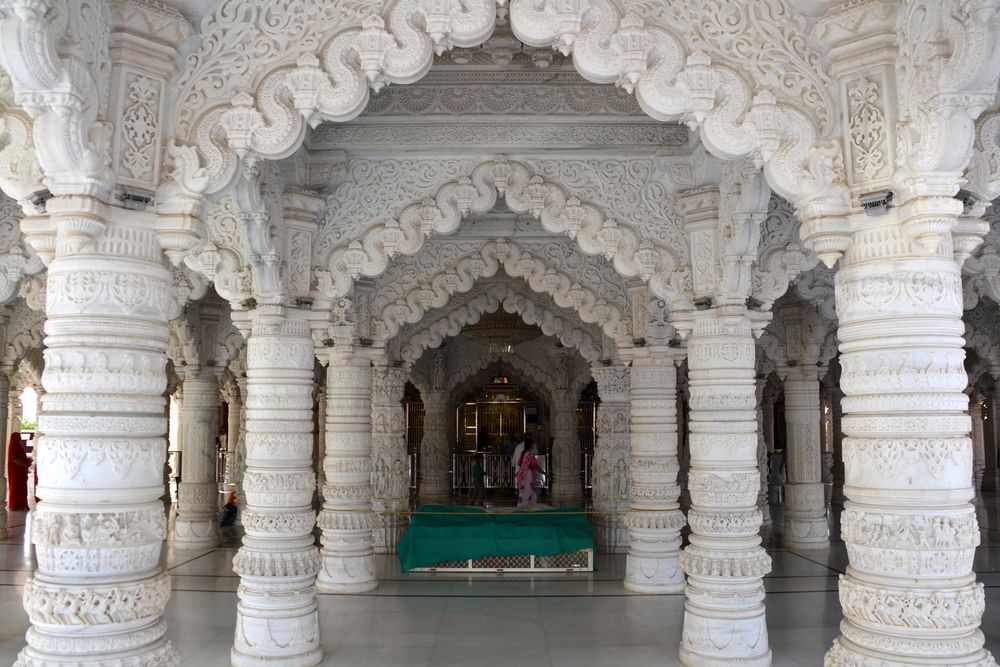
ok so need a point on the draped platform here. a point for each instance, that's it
(447, 534)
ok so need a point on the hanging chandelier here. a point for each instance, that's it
(501, 332)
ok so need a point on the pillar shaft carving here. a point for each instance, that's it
(391, 496)
(655, 520)
(435, 483)
(277, 618)
(611, 458)
(910, 594)
(805, 525)
(724, 562)
(347, 519)
(762, 453)
(566, 483)
(992, 473)
(320, 454)
(233, 432)
(197, 524)
(99, 592)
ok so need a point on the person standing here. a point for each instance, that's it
(478, 481)
(18, 464)
(527, 475)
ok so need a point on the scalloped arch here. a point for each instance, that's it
(524, 192)
(517, 263)
(511, 301)
(672, 75)
(538, 380)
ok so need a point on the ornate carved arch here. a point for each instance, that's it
(524, 192)
(517, 264)
(320, 63)
(497, 296)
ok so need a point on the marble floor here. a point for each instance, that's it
(543, 621)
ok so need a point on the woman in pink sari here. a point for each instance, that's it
(527, 474)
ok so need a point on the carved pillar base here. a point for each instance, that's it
(347, 519)
(197, 526)
(805, 529)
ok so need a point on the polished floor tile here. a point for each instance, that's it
(548, 620)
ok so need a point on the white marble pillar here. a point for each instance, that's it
(909, 595)
(611, 458)
(567, 486)
(98, 594)
(655, 520)
(347, 519)
(4, 437)
(725, 563)
(435, 454)
(277, 620)
(805, 524)
(241, 452)
(978, 438)
(197, 523)
(234, 407)
(762, 454)
(991, 476)
(391, 495)
(320, 454)
(837, 492)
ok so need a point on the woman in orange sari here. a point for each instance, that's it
(17, 474)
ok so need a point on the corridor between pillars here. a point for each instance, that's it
(909, 594)
(724, 562)
(347, 519)
(197, 524)
(99, 592)
(805, 525)
(654, 521)
(277, 564)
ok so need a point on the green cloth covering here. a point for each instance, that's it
(440, 533)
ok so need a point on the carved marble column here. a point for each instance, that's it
(805, 525)
(435, 455)
(991, 476)
(655, 520)
(4, 437)
(567, 487)
(610, 470)
(725, 563)
(197, 524)
(320, 454)
(99, 592)
(347, 519)
(978, 438)
(391, 497)
(762, 453)
(233, 422)
(910, 595)
(837, 493)
(241, 452)
(277, 619)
